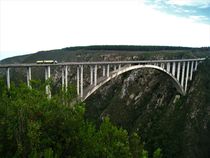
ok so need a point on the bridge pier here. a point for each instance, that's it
(104, 70)
(81, 81)
(178, 72)
(78, 80)
(95, 75)
(162, 65)
(107, 74)
(115, 67)
(183, 72)
(47, 76)
(173, 68)
(91, 75)
(196, 65)
(191, 70)
(187, 76)
(8, 78)
(168, 67)
(62, 78)
(28, 76)
(66, 77)
(119, 66)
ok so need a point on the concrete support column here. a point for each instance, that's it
(91, 75)
(28, 76)
(187, 75)
(162, 65)
(8, 78)
(107, 74)
(119, 66)
(173, 68)
(115, 67)
(62, 78)
(196, 65)
(47, 76)
(168, 67)
(81, 81)
(104, 70)
(183, 72)
(95, 75)
(178, 72)
(66, 77)
(78, 80)
(191, 70)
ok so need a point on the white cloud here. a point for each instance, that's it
(201, 3)
(30, 26)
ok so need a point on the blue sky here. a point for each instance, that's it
(28, 26)
(199, 10)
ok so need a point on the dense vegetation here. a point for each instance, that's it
(31, 125)
(179, 125)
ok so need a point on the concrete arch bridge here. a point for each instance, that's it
(180, 71)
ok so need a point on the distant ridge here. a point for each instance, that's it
(128, 48)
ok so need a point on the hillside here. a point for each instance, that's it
(181, 127)
(145, 101)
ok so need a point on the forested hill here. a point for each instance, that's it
(84, 53)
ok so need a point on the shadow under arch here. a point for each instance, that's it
(126, 69)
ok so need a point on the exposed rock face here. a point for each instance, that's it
(145, 101)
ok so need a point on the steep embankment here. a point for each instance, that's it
(145, 101)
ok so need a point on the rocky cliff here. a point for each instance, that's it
(145, 101)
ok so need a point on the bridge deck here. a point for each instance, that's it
(98, 63)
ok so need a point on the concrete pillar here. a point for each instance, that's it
(183, 72)
(104, 70)
(91, 75)
(107, 74)
(47, 76)
(178, 72)
(115, 67)
(66, 77)
(173, 68)
(28, 76)
(191, 70)
(95, 75)
(119, 66)
(187, 75)
(8, 78)
(62, 79)
(196, 65)
(78, 80)
(81, 81)
(168, 67)
(162, 65)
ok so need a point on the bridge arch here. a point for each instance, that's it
(116, 73)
